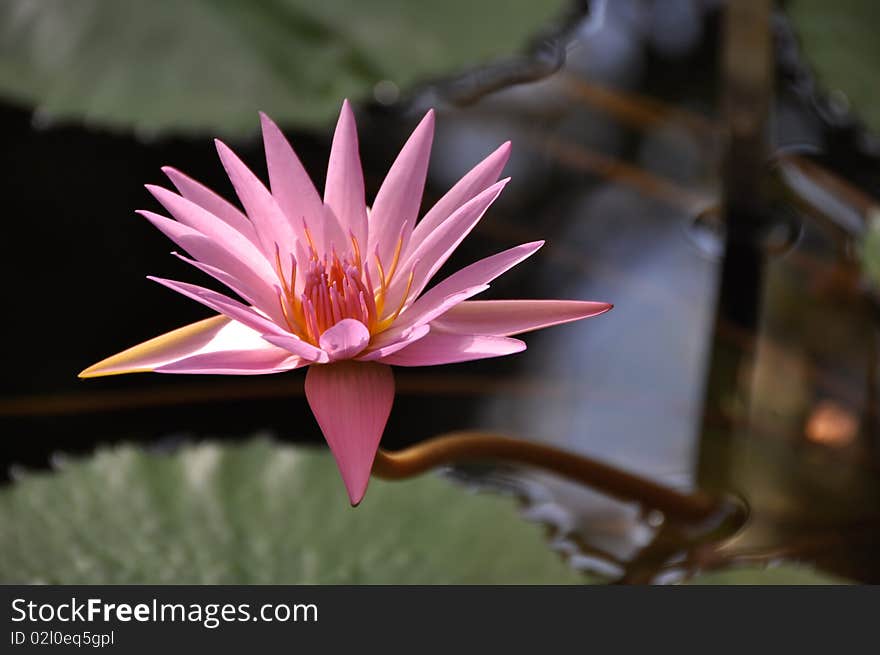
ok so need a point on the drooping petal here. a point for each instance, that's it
(508, 317)
(273, 227)
(345, 339)
(294, 191)
(397, 203)
(216, 335)
(475, 277)
(246, 315)
(344, 188)
(351, 402)
(433, 252)
(211, 202)
(444, 348)
(478, 179)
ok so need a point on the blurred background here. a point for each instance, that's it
(712, 170)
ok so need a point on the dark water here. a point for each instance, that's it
(617, 163)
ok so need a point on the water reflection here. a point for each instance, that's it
(627, 175)
(626, 401)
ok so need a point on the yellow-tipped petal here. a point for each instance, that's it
(145, 356)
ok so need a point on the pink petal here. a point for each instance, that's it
(400, 196)
(223, 304)
(292, 188)
(381, 347)
(476, 276)
(266, 300)
(273, 227)
(211, 202)
(216, 335)
(507, 317)
(351, 402)
(294, 344)
(433, 252)
(345, 339)
(224, 235)
(423, 313)
(444, 348)
(344, 189)
(252, 272)
(478, 179)
(235, 362)
(247, 316)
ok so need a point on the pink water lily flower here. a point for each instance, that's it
(337, 286)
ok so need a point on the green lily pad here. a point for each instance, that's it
(265, 513)
(258, 513)
(211, 64)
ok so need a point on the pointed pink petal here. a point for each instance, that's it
(477, 180)
(294, 191)
(345, 339)
(385, 345)
(351, 402)
(444, 348)
(457, 288)
(223, 304)
(206, 223)
(344, 189)
(218, 334)
(250, 271)
(247, 316)
(291, 184)
(273, 227)
(452, 291)
(235, 362)
(433, 252)
(418, 315)
(264, 299)
(400, 196)
(507, 317)
(211, 202)
(475, 277)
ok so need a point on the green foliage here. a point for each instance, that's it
(258, 513)
(263, 513)
(211, 64)
(840, 41)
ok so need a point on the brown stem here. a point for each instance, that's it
(458, 447)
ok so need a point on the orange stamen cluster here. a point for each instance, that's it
(334, 289)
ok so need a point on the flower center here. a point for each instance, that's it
(334, 289)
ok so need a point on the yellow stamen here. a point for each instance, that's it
(385, 323)
(280, 271)
(291, 325)
(357, 252)
(396, 258)
(405, 294)
(379, 298)
(292, 288)
(308, 234)
(382, 281)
